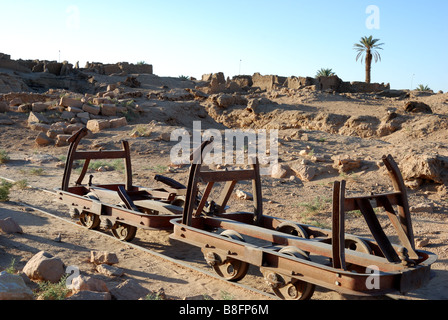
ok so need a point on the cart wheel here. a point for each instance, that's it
(232, 269)
(357, 244)
(89, 220)
(292, 229)
(124, 232)
(295, 289)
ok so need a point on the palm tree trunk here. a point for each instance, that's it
(368, 65)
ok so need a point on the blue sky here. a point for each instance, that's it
(283, 37)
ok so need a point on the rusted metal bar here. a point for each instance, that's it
(338, 228)
(376, 230)
(74, 140)
(204, 199)
(258, 198)
(403, 208)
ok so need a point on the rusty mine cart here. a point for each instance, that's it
(120, 208)
(295, 258)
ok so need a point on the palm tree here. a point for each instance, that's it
(368, 47)
(325, 73)
(423, 88)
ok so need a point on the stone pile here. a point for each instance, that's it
(57, 119)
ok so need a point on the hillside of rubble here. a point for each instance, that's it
(329, 129)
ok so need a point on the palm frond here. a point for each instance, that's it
(368, 43)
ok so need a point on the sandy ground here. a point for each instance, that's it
(283, 198)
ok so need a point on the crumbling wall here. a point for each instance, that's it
(119, 68)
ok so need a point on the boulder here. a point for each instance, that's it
(4, 107)
(103, 257)
(8, 225)
(13, 287)
(95, 110)
(61, 140)
(71, 128)
(417, 107)
(70, 102)
(39, 107)
(43, 140)
(241, 194)
(304, 172)
(110, 271)
(346, 165)
(117, 123)
(225, 100)
(129, 290)
(419, 167)
(37, 117)
(83, 283)
(43, 266)
(279, 171)
(39, 126)
(67, 115)
(108, 110)
(98, 125)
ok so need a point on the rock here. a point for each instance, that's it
(165, 136)
(24, 108)
(99, 101)
(39, 107)
(279, 171)
(15, 102)
(4, 107)
(98, 125)
(129, 290)
(417, 107)
(117, 123)
(37, 117)
(13, 287)
(110, 271)
(103, 257)
(421, 242)
(303, 171)
(43, 140)
(74, 110)
(58, 238)
(346, 165)
(225, 100)
(90, 296)
(71, 128)
(43, 266)
(240, 194)
(108, 110)
(61, 140)
(83, 283)
(422, 207)
(35, 126)
(69, 102)
(8, 225)
(432, 167)
(67, 115)
(83, 115)
(95, 110)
